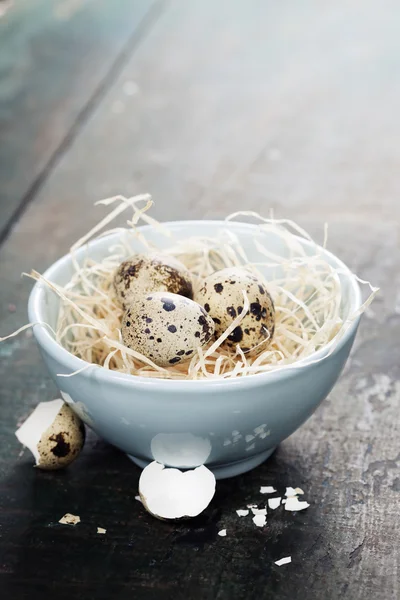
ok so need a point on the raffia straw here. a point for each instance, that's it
(306, 290)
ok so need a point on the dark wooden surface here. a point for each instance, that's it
(212, 107)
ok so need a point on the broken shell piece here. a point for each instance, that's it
(222, 533)
(69, 519)
(294, 504)
(293, 492)
(54, 435)
(242, 512)
(259, 511)
(283, 561)
(101, 530)
(168, 493)
(273, 503)
(259, 520)
(267, 489)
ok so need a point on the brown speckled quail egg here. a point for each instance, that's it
(222, 297)
(166, 328)
(54, 435)
(142, 274)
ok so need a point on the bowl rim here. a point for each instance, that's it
(73, 363)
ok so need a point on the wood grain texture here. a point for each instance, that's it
(56, 59)
(226, 106)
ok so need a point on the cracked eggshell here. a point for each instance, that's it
(143, 274)
(54, 434)
(166, 328)
(222, 297)
(172, 494)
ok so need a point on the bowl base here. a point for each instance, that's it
(226, 470)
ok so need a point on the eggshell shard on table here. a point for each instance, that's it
(54, 435)
(222, 297)
(290, 492)
(166, 328)
(69, 519)
(293, 504)
(222, 533)
(273, 503)
(267, 489)
(259, 520)
(145, 273)
(168, 493)
(259, 511)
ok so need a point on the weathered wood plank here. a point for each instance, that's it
(227, 106)
(56, 60)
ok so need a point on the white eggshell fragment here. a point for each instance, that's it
(54, 435)
(273, 503)
(142, 274)
(294, 504)
(166, 328)
(259, 520)
(69, 519)
(222, 297)
(222, 533)
(172, 494)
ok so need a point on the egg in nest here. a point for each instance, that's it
(143, 274)
(222, 297)
(166, 328)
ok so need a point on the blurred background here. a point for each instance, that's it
(212, 107)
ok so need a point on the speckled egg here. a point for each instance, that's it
(166, 328)
(143, 274)
(62, 442)
(222, 297)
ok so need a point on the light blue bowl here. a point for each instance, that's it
(231, 426)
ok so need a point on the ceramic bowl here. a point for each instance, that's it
(231, 426)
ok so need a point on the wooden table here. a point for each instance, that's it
(212, 107)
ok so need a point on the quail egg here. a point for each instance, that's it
(222, 297)
(143, 274)
(54, 435)
(166, 328)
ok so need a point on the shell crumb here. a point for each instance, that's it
(259, 520)
(267, 489)
(222, 533)
(259, 511)
(294, 504)
(283, 561)
(273, 503)
(101, 530)
(242, 512)
(290, 492)
(69, 519)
